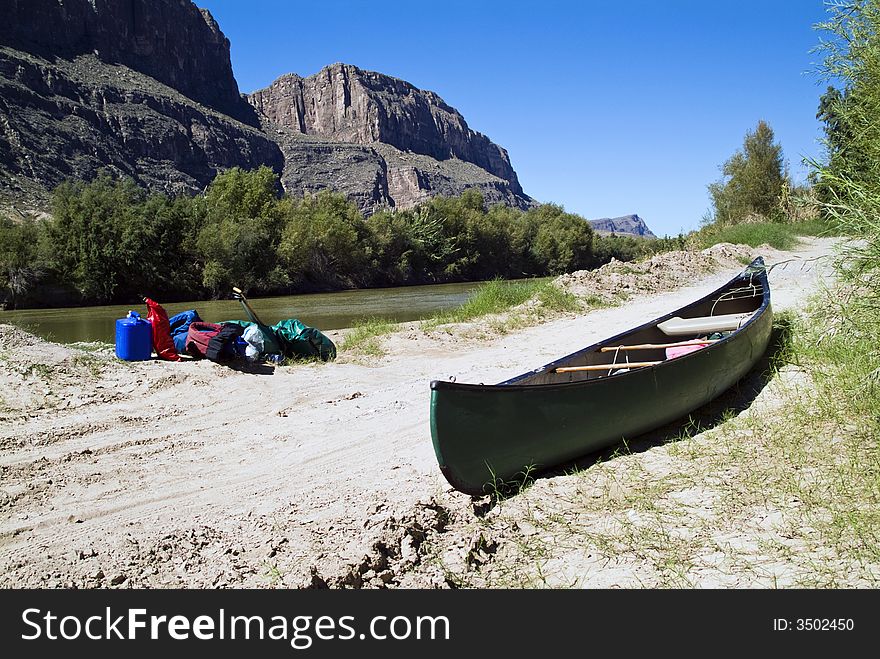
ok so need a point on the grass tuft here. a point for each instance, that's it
(493, 297)
(365, 336)
(499, 296)
(556, 299)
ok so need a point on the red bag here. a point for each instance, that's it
(163, 344)
(198, 337)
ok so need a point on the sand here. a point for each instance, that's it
(193, 474)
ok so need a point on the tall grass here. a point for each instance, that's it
(492, 297)
(553, 298)
(497, 296)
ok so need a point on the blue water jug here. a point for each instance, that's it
(134, 338)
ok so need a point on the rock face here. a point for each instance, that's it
(142, 87)
(145, 87)
(631, 225)
(70, 118)
(416, 145)
(172, 41)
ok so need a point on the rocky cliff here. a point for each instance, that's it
(145, 87)
(171, 41)
(410, 143)
(631, 225)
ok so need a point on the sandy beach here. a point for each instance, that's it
(193, 474)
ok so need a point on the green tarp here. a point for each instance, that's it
(294, 339)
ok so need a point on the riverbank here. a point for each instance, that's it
(326, 311)
(161, 474)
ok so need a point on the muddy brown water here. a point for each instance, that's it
(326, 311)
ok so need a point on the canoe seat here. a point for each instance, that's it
(704, 324)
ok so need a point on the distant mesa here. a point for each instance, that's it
(628, 225)
(145, 88)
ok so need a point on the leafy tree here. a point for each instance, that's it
(832, 113)
(848, 183)
(487, 244)
(563, 242)
(523, 231)
(391, 247)
(19, 258)
(324, 242)
(850, 110)
(449, 221)
(622, 248)
(240, 193)
(240, 232)
(752, 180)
(238, 251)
(95, 235)
(112, 241)
(409, 246)
(435, 240)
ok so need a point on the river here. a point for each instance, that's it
(326, 311)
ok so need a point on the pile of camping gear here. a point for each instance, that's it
(232, 341)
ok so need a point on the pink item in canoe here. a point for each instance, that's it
(672, 353)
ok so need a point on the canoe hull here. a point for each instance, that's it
(487, 435)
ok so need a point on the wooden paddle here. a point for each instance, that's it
(604, 367)
(270, 339)
(655, 346)
(241, 298)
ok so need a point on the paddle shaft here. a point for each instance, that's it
(270, 339)
(604, 367)
(247, 305)
(656, 346)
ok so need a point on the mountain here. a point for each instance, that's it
(631, 225)
(146, 88)
(143, 87)
(398, 144)
(172, 41)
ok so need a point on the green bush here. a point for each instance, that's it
(752, 180)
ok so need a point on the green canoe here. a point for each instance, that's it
(619, 388)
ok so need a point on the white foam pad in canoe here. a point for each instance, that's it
(703, 325)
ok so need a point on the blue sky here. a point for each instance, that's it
(605, 108)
